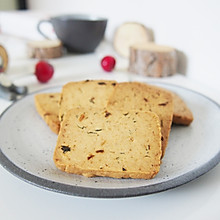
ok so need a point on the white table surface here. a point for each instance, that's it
(198, 199)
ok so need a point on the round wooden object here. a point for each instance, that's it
(4, 59)
(152, 60)
(128, 34)
(45, 49)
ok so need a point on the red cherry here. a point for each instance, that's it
(44, 71)
(108, 63)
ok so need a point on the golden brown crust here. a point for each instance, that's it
(143, 97)
(88, 93)
(47, 105)
(113, 143)
(182, 115)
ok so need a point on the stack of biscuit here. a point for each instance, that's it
(111, 129)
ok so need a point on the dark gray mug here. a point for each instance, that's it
(78, 33)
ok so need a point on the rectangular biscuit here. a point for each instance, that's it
(89, 93)
(111, 143)
(143, 97)
(182, 115)
(47, 105)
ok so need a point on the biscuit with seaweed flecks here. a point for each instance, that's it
(47, 105)
(112, 143)
(145, 97)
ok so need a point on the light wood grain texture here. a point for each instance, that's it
(153, 60)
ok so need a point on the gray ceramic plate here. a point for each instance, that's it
(27, 146)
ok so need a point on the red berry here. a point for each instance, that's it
(44, 71)
(108, 63)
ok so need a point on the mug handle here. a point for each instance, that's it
(39, 27)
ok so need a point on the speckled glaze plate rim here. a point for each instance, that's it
(108, 192)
